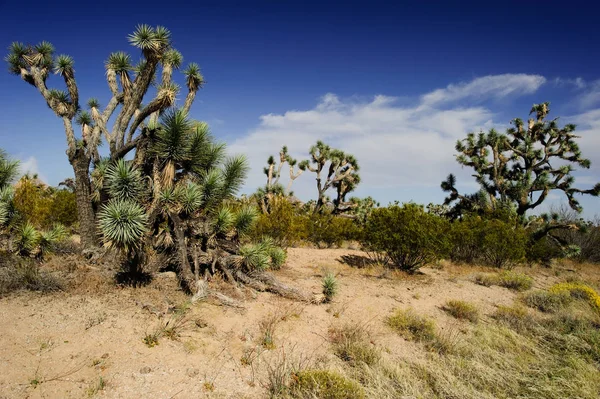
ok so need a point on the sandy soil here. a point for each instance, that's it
(60, 345)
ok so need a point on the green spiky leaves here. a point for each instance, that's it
(173, 58)
(93, 103)
(63, 65)
(124, 181)
(149, 39)
(83, 118)
(245, 218)
(193, 77)
(119, 62)
(122, 223)
(190, 197)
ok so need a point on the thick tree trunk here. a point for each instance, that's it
(85, 212)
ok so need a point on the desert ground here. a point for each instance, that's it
(92, 339)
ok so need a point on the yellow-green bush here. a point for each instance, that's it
(411, 325)
(462, 310)
(327, 230)
(44, 206)
(580, 291)
(285, 224)
(324, 384)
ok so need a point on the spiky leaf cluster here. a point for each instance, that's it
(122, 223)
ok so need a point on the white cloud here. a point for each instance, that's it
(591, 96)
(397, 146)
(578, 82)
(30, 165)
(486, 87)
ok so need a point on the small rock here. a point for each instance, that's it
(145, 370)
(192, 372)
(167, 275)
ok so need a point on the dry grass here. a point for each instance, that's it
(411, 325)
(351, 343)
(546, 301)
(327, 384)
(462, 310)
(508, 279)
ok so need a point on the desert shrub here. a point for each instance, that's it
(502, 243)
(25, 274)
(579, 291)
(547, 301)
(498, 242)
(507, 279)
(485, 279)
(330, 286)
(514, 316)
(514, 281)
(351, 344)
(462, 310)
(327, 230)
(543, 251)
(411, 325)
(324, 384)
(285, 224)
(464, 238)
(408, 235)
(44, 206)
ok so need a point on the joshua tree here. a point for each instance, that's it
(273, 173)
(341, 174)
(173, 202)
(8, 172)
(128, 85)
(523, 166)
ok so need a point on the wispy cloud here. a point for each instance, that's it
(397, 146)
(486, 87)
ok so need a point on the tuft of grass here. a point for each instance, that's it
(267, 327)
(411, 325)
(330, 286)
(96, 386)
(351, 344)
(515, 281)
(547, 301)
(507, 279)
(325, 384)
(462, 310)
(151, 339)
(514, 316)
(485, 279)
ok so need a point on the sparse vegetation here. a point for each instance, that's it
(330, 286)
(324, 384)
(462, 310)
(547, 301)
(507, 279)
(351, 343)
(411, 325)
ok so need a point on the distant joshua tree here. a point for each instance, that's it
(521, 167)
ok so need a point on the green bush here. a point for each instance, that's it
(502, 243)
(324, 384)
(496, 242)
(327, 230)
(285, 224)
(409, 236)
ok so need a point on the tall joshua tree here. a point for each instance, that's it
(522, 166)
(334, 169)
(128, 85)
(273, 172)
(172, 203)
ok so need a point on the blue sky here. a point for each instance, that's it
(395, 84)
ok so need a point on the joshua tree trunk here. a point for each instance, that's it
(85, 212)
